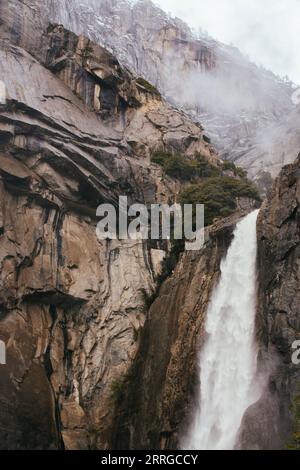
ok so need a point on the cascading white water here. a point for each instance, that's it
(228, 358)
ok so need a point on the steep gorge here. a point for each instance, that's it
(101, 354)
(271, 423)
(160, 401)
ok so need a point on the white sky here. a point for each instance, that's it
(268, 31)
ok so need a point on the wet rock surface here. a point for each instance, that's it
(88, 366)
(269, 424)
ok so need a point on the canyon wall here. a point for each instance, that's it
(158, 395)
(273, 423)
(87, 365)
(77, 129)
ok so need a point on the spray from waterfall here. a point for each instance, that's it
(229, 355)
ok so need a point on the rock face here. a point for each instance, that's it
(77, 130)
(269, 424)
(158, 394)
(247, 111)
(86, 366)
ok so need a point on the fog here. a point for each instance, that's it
(246, 111)
(267, 31)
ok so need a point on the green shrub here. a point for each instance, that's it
(238, 171)
(185, 168)
(218, 195)
(151, 88)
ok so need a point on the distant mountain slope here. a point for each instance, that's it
(242, 106)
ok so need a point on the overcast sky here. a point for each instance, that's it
(268, 31)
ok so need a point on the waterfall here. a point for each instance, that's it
(227, 362)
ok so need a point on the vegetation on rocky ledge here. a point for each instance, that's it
(217, 187)
(236, 170)
(219, 195)
(210, 185)
(189, 168)
(147, 86)
(185, 168)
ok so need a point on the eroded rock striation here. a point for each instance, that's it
(93, 361)
(77, 129)
(246, 110)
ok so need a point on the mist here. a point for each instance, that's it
(267, 31)
(245, 109)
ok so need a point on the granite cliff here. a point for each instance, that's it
(273, 423)
(102, 336)
(246, 110)
(77, 129)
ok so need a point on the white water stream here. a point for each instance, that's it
(228, 357)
